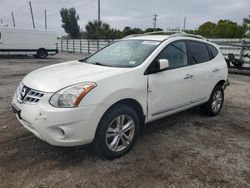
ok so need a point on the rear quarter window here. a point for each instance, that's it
(198, 52)
(213, 50)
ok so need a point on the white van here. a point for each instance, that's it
(19, 41)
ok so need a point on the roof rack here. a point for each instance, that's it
(176, 34)
(183, 34)
(148, 33)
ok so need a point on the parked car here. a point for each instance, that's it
(106, 98)
(19, 41)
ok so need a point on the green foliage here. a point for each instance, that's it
(223, 29)
(69, 22)
(207, 29)
(246, 26)
(148, 30)
(98, 30)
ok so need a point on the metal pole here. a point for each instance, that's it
(99, 11)
(61, 45)
(155, 19)
(80, 46)
(13, 19)
(184, 26)
(32, 17)
(45, 17)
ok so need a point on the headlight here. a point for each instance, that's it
(71, 96)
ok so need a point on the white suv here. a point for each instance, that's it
(106, 98)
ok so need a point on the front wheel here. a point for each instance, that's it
(116, 132)
(214, 105)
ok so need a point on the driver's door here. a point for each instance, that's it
(171, 90)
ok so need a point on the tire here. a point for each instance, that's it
(228, 62)
(238, 62)
(215, 103)
(113, 141)
(42, 54)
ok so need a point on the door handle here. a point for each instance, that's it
(188, 76)
(216, 70)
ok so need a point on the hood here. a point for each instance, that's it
(56, 77)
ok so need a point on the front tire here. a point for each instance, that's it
(117, 132)
(215, 103)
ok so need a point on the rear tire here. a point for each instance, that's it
(42, 54)
(215, 103)
(117, 132)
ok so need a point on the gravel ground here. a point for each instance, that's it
(184, 150)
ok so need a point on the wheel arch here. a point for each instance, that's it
(132, 103)
(42, 49)
(220, 83)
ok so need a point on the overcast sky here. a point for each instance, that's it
(121, 13)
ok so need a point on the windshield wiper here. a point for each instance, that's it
(101, 64)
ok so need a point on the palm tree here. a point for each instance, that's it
(98, 30)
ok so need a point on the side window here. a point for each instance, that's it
(198, 52)
(213, 50)
(176, 54)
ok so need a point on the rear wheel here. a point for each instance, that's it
(42, 54)
(117, 132)
(214, 105)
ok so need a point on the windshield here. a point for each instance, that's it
(124, 53)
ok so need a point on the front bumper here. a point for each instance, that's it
(59, 126)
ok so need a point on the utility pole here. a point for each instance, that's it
(155, 20)
(32, 17)
(13, 19)
(99, 11)
(45, 18)
(184, 26)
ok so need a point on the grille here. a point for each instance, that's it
(33, 96)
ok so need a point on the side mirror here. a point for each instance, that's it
(157, 66)
(163, 64)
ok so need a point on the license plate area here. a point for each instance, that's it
(17, 111)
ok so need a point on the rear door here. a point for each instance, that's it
(204, 69)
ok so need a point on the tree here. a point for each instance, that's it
(207, 29)
(246, 25)
(70, 22)
(98, 30)
(228, 29)
(129, 31)
(223, 29)
(148, 30)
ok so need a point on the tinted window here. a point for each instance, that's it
(213, 50)
(176, 54)
(198, 52)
